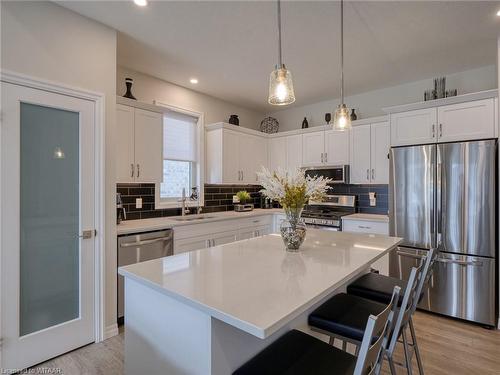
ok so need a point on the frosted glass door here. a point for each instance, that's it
(50, 250)
(47, 224)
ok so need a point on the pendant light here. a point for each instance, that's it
(341, 120)
(280, 81)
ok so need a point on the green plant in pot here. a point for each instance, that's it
(243, 196)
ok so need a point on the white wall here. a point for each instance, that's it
(46, 41)
(371, 103)
(147, 88)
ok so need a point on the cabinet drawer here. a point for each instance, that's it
(255, 221)
(363, 226)
(205, 229)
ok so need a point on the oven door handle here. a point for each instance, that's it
(146, 242)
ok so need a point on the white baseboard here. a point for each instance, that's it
(110, 331)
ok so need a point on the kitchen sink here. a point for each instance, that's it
(193, 218)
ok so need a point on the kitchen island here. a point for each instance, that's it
(208, 311)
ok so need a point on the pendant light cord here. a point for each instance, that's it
(279, 35)
(341, 52)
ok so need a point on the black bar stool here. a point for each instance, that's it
(301, 354)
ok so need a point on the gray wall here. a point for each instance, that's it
(45, 41)
(147, 88)
(370, 104)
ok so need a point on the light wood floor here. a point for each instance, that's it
(447, 347)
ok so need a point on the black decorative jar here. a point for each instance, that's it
(128, 94)
(234, 120)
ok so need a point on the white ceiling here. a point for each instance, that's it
(231, 47)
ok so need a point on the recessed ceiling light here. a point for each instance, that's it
(141, 3)
(194, 81)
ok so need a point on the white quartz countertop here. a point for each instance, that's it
(367, 217)
(255, 285)
(145, 225)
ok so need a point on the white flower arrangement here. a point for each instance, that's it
(292, 189)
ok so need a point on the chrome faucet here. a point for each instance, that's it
(184, 209)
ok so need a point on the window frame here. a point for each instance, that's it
(198, 173)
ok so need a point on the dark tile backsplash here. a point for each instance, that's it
(217, 198)
(220, 198)
(362, 197)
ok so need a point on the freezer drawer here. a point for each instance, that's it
(461, 286)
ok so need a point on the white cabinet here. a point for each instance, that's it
(234, 157)
(360, 155)
(139, 145)
(369, 150)
(414, 127)
(465, 121)
(285, 152)
(328, 148)
(313, 148)
(336, 147)
(223, 238)
(373, 227)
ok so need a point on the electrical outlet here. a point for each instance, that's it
(373, 199)
(138, 202)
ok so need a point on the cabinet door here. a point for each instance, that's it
(190, 244)
(360, 155)
(414, 127)
(223, 238)
(467, 121)
(125, 165)
(380, 153)
(252, 156)
(336, 147)
(230, 157)
(277, 153)
(294, 152)
(313, 148)
(148, 146)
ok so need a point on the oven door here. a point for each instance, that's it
(323, 227)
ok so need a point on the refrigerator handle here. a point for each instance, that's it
(439, 195)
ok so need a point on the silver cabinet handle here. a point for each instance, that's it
(368, 174)
(131, 169)
(440, 130)
(138, 171)
(326, 157)
(433, 131)
(146, 242)
(242, 176)
(373, 173)
(322, 159)
(213, 242)
(364, 227)
(207, 243)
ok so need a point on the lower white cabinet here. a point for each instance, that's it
(373, 227)
(201, 236)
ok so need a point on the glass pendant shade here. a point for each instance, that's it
(341, 119)
(281, 87)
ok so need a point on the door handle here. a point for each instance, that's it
(322, 158)
(460, 262)
(326, 157)
(440, 130)
(131, 169)
(138, 171)
(433, 130)
(146, 242)
(368, 174)
(207, 243)
(373, 173)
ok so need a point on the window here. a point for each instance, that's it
(180, 156)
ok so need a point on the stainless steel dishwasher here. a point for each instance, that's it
(139, 247)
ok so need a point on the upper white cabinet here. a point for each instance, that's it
(139, 145)
(328, 147)
(462, 121)
(414, 127)
(234, 156)
(285, 152)
(466, 121)
(369, 150)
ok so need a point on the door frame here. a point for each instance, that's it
(7, 76)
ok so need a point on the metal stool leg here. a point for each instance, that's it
(407, 352)
(415, 348)
(392, 367)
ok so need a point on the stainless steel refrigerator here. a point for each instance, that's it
(444, 196)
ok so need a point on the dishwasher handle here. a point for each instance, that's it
(146, 242)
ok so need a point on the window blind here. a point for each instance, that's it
(179, 137)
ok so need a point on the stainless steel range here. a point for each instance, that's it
(328, 213)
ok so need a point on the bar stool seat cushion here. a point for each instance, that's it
(378, 287)
(296, 353)
(345, 315)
